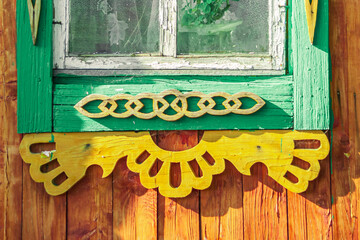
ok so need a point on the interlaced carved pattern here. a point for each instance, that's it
(180, 104)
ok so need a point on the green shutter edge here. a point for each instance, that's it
(310, 67)
(299, 100)
(34, 69)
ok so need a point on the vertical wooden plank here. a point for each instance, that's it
(309, 213)
(221, 206)
(10, 161)
(344, 38)
(264, 204)
(34, 70)
(310, 68)
(2, 168)
(89, 207)
(297, 228)
(178, 218)
(44, 216)
(318, 205)
(134, 207)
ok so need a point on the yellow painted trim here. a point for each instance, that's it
(34, 15)
(311, 16)
(75, 152)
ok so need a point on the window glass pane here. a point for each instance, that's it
(223, 26)
(113, 26)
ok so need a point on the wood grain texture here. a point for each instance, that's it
(75, 152)
(134, 207)
(344, 185)
(311, 68)
(181, 105)
(221, 207)
(90, 207)
(44, 216)
(34, 64)
(178, 218)
(10, 161)
(309, 213)
(264, 202)
(345, 90)
(277, 92)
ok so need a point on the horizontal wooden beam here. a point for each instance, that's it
(277, 92)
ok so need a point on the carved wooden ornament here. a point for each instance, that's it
(311, 7)
(34, 15)
(133, 106)
(75, 152)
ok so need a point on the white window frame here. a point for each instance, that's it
(167, 62)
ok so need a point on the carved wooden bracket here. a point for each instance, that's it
(311, 8)
(180, 104)
(75, 152)
(34, 14)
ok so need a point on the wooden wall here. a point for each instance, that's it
(235, 207)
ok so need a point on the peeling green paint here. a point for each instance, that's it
(308, 67)
(34, 65)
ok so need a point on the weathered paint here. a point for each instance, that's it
(241, 63)
(308, 63)
(75, 152)
(277, 113)
(34, 64)
(158, 105)
(311, 8)
(311, 68)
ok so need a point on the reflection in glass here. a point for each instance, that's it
(223, 26)
(113, 26)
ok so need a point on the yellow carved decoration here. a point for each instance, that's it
(311, 16)
(133, 105)
(75, 152)
(34, 15)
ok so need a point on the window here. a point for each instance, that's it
(190, 66)
(228, 37)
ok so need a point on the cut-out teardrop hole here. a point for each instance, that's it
(60, 179)
(143, 156)
(175, 175)
(300, 163)
(195, 168)
(155, 168)
(47, 167)
(41, 147)
(291, 177)
(176, 141)
(307, 144)
(209, 159)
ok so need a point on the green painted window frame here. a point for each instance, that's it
(298, 100)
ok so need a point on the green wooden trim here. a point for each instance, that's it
(299, 100)
(311, 68)
(34, 66)
(276, 91)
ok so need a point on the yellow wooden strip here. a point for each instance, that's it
(311, 16)
(75, 152)
(34, 15)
